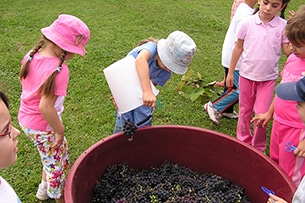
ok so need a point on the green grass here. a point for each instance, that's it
(116, 27)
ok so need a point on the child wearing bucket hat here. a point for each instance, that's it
(155, 60)
(44, 78)
(8, 149)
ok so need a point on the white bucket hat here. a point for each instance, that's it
(177, 51)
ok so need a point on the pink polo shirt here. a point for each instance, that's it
(40, 69)
(262, 47)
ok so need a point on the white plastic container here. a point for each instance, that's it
(125, 85)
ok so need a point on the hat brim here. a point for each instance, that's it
(166, 59)
(59, 41)
(288, 91)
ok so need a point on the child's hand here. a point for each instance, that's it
(114, 103)
(262, 119)
(300, 150)
(230, 80)
(149, 99)
(275, 199)
(291, 14)
(59, 138)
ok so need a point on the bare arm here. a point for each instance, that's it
(148, 97)
(238, 49)
(275, 199)
(286, 49)
(49, 113)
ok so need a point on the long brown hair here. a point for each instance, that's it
(48, 87)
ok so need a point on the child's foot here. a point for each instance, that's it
(214, 115)
(232, 115)
(42, 193)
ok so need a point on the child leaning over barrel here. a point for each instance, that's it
(44, 78)
(155, 62)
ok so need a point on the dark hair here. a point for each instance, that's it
(282, 15)
(5, 99)
(295, 28)
(48, 87)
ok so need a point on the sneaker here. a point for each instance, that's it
(232, 115)
(42, 193)
(212, 112)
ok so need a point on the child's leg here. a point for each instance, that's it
(141, 113)
(264, 96)
(120, 119)
(55, 162)
(246, 102)
(275, 141)
(293, 165)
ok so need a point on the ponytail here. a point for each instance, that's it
(25, 68)
(48, 87)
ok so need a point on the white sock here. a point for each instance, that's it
(44, 183)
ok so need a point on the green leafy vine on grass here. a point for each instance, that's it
(193, 87)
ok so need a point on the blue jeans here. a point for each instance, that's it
(137, 115)
(226, 101)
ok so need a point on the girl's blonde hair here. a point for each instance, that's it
(295, 28)
(150, 39)
(48, 87)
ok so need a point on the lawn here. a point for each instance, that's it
(116, 27)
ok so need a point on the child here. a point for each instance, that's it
(44, 79)
(224, 105)
(259, 43)
(287, 125)
(8, 149)
(294, 91)
(235, 5)
(155, 62)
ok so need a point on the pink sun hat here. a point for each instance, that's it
(69, 33)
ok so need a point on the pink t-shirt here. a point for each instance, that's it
(262, 47)
(285, 111)
(40, 69)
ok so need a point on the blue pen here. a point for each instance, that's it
(267, 191)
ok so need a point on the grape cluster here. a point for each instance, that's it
(129, 128)
(169, 183)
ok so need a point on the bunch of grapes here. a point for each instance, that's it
(168, 183)
(129, 128)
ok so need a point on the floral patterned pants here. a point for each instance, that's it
(55, 162)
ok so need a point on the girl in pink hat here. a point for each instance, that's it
(44, 78)
(8, 149)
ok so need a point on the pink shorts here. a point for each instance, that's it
(55, 162)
